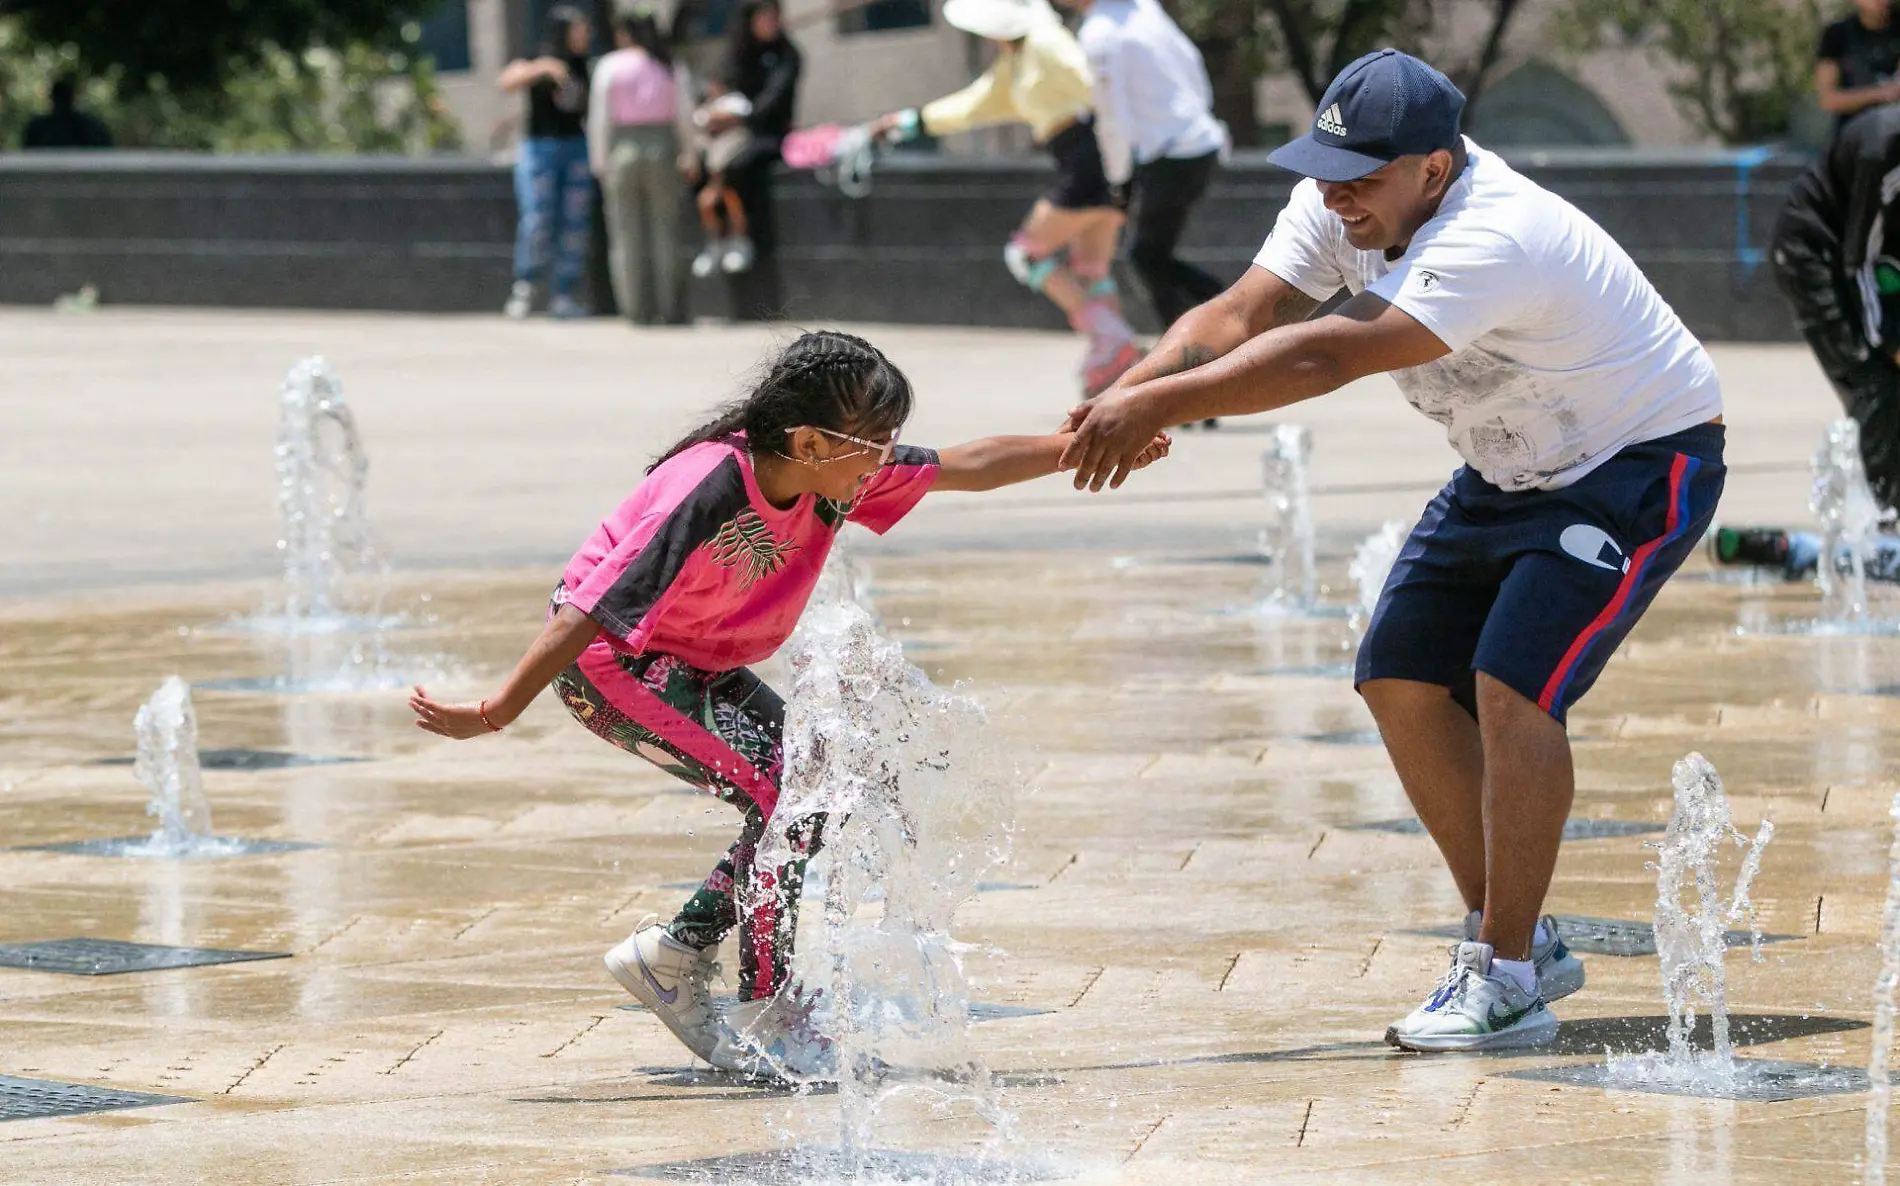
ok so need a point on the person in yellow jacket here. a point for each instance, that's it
(1063, 249)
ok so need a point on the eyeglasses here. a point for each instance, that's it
(883, 449)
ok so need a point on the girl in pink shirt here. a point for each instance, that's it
(703, 570)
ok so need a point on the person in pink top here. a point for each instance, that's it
(636, 124)
(703, 570)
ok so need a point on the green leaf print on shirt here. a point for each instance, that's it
(745, 541)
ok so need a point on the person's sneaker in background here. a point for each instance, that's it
(1763, 546)
(707, 261)
(520, 301)
(1100, 376)
(738, 256)
(566, 308)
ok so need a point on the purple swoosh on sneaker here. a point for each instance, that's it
(667, 996)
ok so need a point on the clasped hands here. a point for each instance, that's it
(1116, 433)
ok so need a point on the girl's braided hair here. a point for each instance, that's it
(824, 379)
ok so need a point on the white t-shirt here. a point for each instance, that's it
(1152, 94)
(1561, 352)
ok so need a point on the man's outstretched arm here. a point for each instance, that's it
(1365, 336)
(1257, 302)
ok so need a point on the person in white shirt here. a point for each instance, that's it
(1589, 420)
(1160, 142)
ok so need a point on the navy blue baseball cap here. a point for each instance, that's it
(1384, 106)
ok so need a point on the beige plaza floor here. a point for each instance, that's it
(1188, 961)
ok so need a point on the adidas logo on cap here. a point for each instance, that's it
(1330, 121)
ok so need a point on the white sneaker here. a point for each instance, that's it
(707, 261)
(738, 257)
(1559, 972)
(520, 301)
(774, 1038)
(566, 308)
(671, 979)
(1471, 1009)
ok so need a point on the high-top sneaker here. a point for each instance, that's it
(673, 980)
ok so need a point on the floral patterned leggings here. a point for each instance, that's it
(720, 731)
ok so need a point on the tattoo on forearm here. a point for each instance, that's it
(1292, 308)
(1192, 355)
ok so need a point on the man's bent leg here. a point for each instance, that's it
(1528, 786)
(1588, 560)
(1436, 749)
(1414, 670)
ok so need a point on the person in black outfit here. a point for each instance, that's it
(1855, 65)
(554, 185)
(1836, 254)
(65, 126)
(762, 64)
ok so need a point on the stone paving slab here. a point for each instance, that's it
(1197, 953)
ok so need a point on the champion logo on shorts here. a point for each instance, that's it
(1427, 280)
(1594, 547)
(1331, 121)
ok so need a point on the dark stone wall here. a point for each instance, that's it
(924, 247)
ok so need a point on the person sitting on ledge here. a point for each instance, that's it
(65, 126)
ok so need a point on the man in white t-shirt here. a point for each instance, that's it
(1589, 420)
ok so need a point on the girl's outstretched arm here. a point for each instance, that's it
(562, 640)
(1003, 461)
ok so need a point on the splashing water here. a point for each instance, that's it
(1287, 540)
(1690, 942)
(1879, 1078)
(1371, 564)
(1849, 517)
(167, 764)
(322, 475)
(920, 808)
(335, 578)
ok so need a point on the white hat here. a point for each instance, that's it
(998, 20)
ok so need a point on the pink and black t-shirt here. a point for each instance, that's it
(698, 565)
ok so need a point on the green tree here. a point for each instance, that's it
(187, 46)
(1743, 66)
(362, 97)
(1315, 39)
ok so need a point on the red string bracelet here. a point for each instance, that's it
(481, 710)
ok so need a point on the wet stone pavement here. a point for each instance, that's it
(1184, 972)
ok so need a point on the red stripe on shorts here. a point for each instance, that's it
(1632, 576)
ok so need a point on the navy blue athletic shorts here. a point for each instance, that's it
(1537, 588)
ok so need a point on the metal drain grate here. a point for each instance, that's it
(1574, 829)
(26, 1099)
(980, 1011)
(1610, 936)
(140, 848)
(793, 1167)
(1757, 1081)
(1344, 737)
(109, 957)
(249, 759)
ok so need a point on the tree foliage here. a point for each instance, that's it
(359, 98)
(1742, 66)
(193, 45)
(1315, 39)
